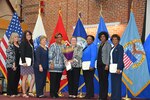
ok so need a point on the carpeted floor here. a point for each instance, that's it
(2, 97)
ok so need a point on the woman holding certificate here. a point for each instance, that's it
(73, 73)
(116, 67)
(27, 53)
(88, 66)
(102, 65)
(41, 66)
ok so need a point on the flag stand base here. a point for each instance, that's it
(80, 95)
(60, 94)
(126, 98)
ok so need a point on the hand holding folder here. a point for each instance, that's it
(113, 68)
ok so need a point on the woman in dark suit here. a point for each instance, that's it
(102, 65)
(41, 67)
(12, 64)
(89, 55)
(116, 57)
(27, 50)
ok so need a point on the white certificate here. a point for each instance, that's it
(28, 61)
(86, 65)
(68, 66)
(113, 68)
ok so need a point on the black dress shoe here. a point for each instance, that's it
(56, 95)
(102, 99)
(53, 97)
(87, 97)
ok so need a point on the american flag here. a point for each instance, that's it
(128, 59)
(14, 26)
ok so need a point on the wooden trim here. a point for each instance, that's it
(4, 24)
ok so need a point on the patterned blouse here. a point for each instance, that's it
(10, 52)
(56, 56)
(77, 55)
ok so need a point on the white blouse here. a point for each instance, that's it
(111, 56)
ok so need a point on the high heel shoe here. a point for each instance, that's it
(12, 96)
(24, 95)
(31, 94)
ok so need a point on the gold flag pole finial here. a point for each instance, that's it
(39, 7)
(16, 5)
(132, 6)
(60, 8)
(101, 9)
(80, 15)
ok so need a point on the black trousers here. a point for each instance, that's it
(89, 83)
(103, 81)
(40, 80)
(116, 86)
(13, 78)
(54, 83)
(73, 80)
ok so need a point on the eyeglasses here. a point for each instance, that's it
(58, 37)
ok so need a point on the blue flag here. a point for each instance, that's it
(101, 27)
(136, 77)
(147, 50)
(80, 33)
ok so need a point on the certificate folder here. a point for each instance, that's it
(28, 61)
(113, 68)
(68, 66)
(85, 65)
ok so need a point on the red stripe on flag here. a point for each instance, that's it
(127, 61)
(2, 53)
(3, 69)
(4, 42)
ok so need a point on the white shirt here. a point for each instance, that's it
(111, 56)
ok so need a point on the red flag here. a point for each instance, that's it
(60, 29)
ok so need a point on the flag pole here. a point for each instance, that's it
(126, 97)
(60, 94)
(101, 10)
(80, 95)
(39, 8)
(16, 5)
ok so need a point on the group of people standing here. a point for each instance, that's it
(52, 59)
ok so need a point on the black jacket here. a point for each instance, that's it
(26, 50)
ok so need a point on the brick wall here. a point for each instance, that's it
(113, 11)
